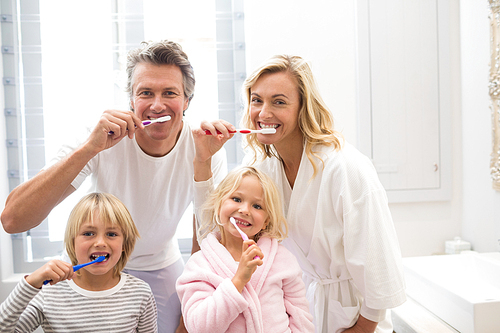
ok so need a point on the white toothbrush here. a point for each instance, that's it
(248, 131)
(149, 122)
(157, 120)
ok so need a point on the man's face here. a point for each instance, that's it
(158, 91)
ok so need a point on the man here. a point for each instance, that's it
(151, 170)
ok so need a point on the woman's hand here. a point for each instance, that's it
(55, 271)
(207, 145)
(363, 325)
(251, 257)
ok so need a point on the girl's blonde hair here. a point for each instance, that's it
(112, 212)
(315, 119)
(210, 221)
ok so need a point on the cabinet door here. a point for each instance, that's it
(403, 96)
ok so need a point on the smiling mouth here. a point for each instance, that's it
(245, 224)
(95, 256)
(262, 126)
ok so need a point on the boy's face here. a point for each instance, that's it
(96, 239)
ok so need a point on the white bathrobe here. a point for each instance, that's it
(342, 233)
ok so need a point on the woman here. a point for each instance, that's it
(340, 226)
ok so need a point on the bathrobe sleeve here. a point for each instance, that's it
(296, 304)
(16, 313)
(210, 303)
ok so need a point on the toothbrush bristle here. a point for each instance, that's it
(268, 131)
(163, 119)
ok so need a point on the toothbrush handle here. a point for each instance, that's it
(245, 237)
(75, 268)
(207, 132)
(145, 123)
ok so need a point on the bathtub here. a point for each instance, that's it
(463, 290)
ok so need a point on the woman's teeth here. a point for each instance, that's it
(267, 126)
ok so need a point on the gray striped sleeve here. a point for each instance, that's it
(16, 314)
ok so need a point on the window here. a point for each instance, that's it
(66, 62)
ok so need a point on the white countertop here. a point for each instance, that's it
(411, 317)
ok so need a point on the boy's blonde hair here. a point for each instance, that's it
(276, 226)
(112, 212)
(314, 120)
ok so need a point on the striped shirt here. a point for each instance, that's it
(65, 307)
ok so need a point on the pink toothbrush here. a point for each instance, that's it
(149, 122)
(248, 131)
(243, 235)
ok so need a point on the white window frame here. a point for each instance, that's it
(230, 49)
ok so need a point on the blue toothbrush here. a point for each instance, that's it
(77, 267)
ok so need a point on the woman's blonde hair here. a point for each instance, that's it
(276, 224)
(315, 119)
(112, 212)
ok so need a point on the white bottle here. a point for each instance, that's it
(456, 246)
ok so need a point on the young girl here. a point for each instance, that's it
(233, 285)
(97, 298)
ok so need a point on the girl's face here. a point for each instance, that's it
(96, 239)
(275, 103)
(246, 205)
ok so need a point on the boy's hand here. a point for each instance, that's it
(54, 270)
(248, 264)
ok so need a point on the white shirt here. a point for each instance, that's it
(156, 191)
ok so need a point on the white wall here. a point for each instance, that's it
(324, 33)
(481, 204)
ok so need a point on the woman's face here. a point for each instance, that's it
(275, 103)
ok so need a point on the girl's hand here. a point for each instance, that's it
(251, 257)
(55, 270)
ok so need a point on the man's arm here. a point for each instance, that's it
(30, 203)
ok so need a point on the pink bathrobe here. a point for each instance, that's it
(273, 301)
